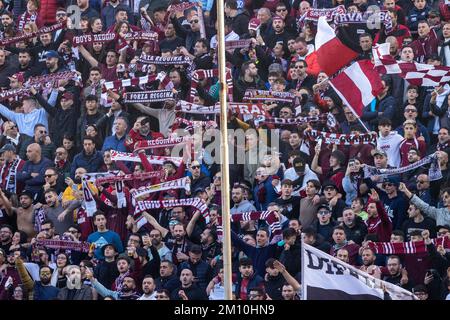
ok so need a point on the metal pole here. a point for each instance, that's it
(225, 187)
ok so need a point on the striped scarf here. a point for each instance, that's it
(188, 107)
(25, 18)
(160, 143)
(410, 247)
(182, 183)
(341, 139)
(124, 156)
(10, 181)
(49, 29)
(64, 245)
(268, 216)
(265, 95)
(191, 125)
(210, 73)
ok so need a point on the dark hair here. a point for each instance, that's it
(37, 125)
(91, 97)
(88, 138)
(232, 4)
(51, 190)
(47, 221)
(8, 226)
(289, 232)
(399, 233)
(384, 122)
(94, 69)
(415, 233)
(98, 213)
(316, 183)
(310, 232)
(265, 230)
(246, 261)
(204, 42)
(160, 9)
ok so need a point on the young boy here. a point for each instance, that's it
(410, 140)
(418, 13)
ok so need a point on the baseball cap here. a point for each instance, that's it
(433, 13)
(379, 152)
(275, 67)
(67, 95)
(323, 206)
(199, 189)
(329, 183)
(52, 54)
(7, 147)
(394, 180)
(254, 24)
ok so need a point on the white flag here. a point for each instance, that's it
(325, 277)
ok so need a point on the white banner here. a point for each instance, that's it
(325, 277)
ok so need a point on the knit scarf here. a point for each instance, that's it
(119, 280)
(14, 93)
(161, 143)
(323, 118)
(410, 247)
(129, 177)
(255, 109)
(180, 7)
(341, 139)
(142, 206)
(139, 35)
(268, 216)
(329, 14)
(434, 172)
(123, 83)
(89, 201)
(369, 18)
(124, 156)
(188, 107)
(182, 183)
(51, 78)
(148, 96)
(191, 125)
(25, 18)
(210, 73)
(237, 44)
(64, 245)
(178, 60)
(50, 29)
(265, 95)
(39, 218)
(96, 37)
(10, 181)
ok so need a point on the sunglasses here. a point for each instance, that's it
(410, 110)
(387, 184)
(279, 10)
(42, 131)
(193, 21)
(48, 175)
(421, 182)
(195, 167)
(323, 213)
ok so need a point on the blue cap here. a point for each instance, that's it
(52, 54)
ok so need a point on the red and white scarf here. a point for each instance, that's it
(124, 156)
(265, 95)
(410, 247)
(25, 18)
(51, 78)
(182, 183)
(148, 96)
(89, 201)
(96, 37)
(64, 245)
(210, 73)
(142, 206)
(161, 143)
(188, 107)
(341, 139)
(9, 41)
(191, 125)
(254, 109)
(268, 216)
(113, 178)
(14, 93)
(294, 121)
(178, 60)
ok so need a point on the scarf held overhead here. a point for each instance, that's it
(188, 107)
(64, 244)
(182, 183)
(161, 143)
(49, 29)
(148, 96)
(210, 73)
(341, 139)
(434, 172)
(410, 247)
(124, 156)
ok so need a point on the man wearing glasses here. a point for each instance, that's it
(198, 178)
(410, 113)
(12, 136)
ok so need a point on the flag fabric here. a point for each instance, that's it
(327, 278)
(418, 74)
(332, 54)
(358, 85)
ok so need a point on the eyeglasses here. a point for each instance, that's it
(410, 110)
(388, 184)
(49, 175)
(193, 21)
(42, 131)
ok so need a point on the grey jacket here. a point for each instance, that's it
(441, 215)
(84, 293)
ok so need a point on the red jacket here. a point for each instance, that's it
(380, 225)
(134, 136)
(47, 11)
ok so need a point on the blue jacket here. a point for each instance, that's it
(202, 272)
(34, 184)
(254, 282)
(91, 163)
(387, 106)
(112, 142)
(103, 238)
(415, 16)
(259, 256)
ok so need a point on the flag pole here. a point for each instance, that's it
(225, 184)
(302, 255)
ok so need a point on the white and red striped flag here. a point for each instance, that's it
(358, 85)
(332, 54)
(418, 74)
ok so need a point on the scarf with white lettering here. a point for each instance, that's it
(10, 181)
(249, 109)
(341, 139)
(210, 73)
(188, 107)
(410, 247)
(49, 29)
(89, 201)
(14, 93)
(182, 183)
(369, 18)
(142, 206)
(268, 216)
(434, 172)
(178, 60)
(323, 119)
(129, 177)
(160, 143)
(237, 44)
(265, 95)
(25, 18)
(96, 37)
(148, 96)
(191, 125)
(39, 218)
(124, 156)
(64, 245)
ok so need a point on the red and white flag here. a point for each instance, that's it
(332, 54)
(418, 74)
(358, 85)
